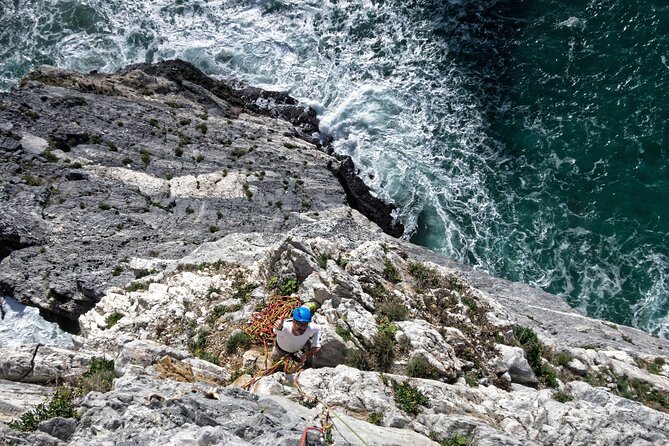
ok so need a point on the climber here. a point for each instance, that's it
(293, 335)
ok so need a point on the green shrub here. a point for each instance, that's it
(112, 146)
(50, 157)
(426, 278)
(178, 152)
(198, 348)
(393, 309)
(185, 121)
(243, 291)
(75, 165)
(564, 358)
(113, 318)
(529, 341)
(104, 206)
(137, 286)
(145, 156)
(213, 228)
(655, 367)
(471, 380)
(562, 397)
(408, 398)
(99, 377)
(357, 359)
(31, 181)
(289, 287)
(202, 127)
(199, 158)
(390, 272)
(419, 367)
(61, 404)
(456, 440)
(375, 418)
(387, 329)
(382, 351)
(237, 341)
(323, 259)
(154, 123)
(344, 333)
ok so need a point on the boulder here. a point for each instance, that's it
(427, 342)
(512, 360)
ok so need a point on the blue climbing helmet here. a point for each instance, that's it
(302, 314)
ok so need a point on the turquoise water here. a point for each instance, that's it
(528, 139)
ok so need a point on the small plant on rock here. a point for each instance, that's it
(61, 404)
(113, 318)
(357, 359)
(344, 333)
(99, 377)
(419, 367)
(390, 272)
(375, 418)
(408, 398)
(393, 308)
(562, 397)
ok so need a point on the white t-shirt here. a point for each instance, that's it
(290, 343)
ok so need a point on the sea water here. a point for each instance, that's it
(526, 138)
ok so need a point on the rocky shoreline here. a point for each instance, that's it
(154, 210)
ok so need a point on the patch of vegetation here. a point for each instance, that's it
(426, 278)
(628, 339)
(199, 158)
(31, 181)
(393, 309)
(104, 206)
(75, 165)
(99, 377)
(529, 341)
(378, 292)
(390, 273)
(112, 146)
(178, 152)
(243, 290)
(145, 156)
(189, 210)
(471, 380)
(61, 404)
(202, 127)
(213, 228)
(185, 122)
(357, 359)
(247, 191)
(220, 310)
(49, 156)
(408, 398)
(388, 329)
(172, 104)
(118, 269)
(382, 351)
(455, 440)
(126, 160)
(32, 114)
(153, 122)
(309, 403)
(419, 367)
(322, 259)
(562, 397)
(375, 418)
(278, 203)
(238, 152)
(198, 348)
(654, 366)
(238, 341)
(137, 286)
(563, 358)
(285, 288)
(344, 333)
(113, 318)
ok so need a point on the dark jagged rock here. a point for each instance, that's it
(147, 164)
(359, 197)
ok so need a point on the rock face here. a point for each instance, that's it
(145, 164)
(155, 210)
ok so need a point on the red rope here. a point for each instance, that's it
(303, 442)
